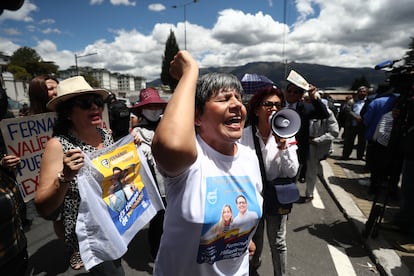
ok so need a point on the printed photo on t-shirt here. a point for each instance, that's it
(232, 213)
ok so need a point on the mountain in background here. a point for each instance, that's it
(322, 76)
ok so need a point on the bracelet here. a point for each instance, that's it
(61, 178)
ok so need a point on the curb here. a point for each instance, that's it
(387, 261)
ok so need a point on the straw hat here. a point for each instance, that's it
(73, 87)
(149, 96)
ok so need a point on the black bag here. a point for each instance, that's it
(407, 143)
(119, 119)
(9, 184)
(286, 190)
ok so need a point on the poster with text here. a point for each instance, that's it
(118, 198)
(26, 137)
(123, 191)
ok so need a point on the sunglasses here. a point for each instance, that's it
(270, 104)
(85, 102)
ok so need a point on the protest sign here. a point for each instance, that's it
(298, 80)
(118, 198)
(26, 137)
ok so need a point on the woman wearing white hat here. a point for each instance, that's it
(76, 131)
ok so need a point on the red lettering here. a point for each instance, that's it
(30, 146)
(25, 148)
(30, 185)
(13, 150)
(35, 147)
(43, 140)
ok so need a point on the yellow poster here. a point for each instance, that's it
(122, 187)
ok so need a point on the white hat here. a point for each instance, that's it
(73, 87)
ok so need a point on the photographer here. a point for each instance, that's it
(401, 141)
(405, 218)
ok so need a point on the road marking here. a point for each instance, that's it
(317, 201)
(341, 261)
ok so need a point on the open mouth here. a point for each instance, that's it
(234, 120)
(96, 116)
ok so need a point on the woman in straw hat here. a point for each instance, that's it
(76, 131)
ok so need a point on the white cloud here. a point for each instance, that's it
(235, 27)
(342, 34)
(22, 14)
(12, 31)
(114, 2)
(7, 46)
(305, 8)
(123, 2)
(51, 30)
(156, 7)
(96, 2)
(48, 21)
(358, 33)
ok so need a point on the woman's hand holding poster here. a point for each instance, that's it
(118, 198)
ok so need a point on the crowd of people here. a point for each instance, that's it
(219, 144)
(383, 122)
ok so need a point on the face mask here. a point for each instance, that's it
(152, 115)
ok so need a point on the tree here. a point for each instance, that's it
(91, 80)
(25, 63)
(19, 73)
(171, 49)
(409, 58)
(358, 82)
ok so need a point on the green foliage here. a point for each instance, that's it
(358, 82)
(25, 63)
(91, 80)
(18, 72)
(24, 55)
(171, 49)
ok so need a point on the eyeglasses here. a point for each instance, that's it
(270, 104)
(86, 102)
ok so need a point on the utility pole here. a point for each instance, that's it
(184, 6)
(81, 56)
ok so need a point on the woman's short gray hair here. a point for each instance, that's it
(212, 83)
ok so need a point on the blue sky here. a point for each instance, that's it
(129, 36)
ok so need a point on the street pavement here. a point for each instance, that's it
(346, 181)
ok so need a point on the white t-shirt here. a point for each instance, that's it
(195, 200)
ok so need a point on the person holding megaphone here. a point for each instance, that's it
(270, 134)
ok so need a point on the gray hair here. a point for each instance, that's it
(212, 83)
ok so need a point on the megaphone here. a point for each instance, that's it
(285, 123)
